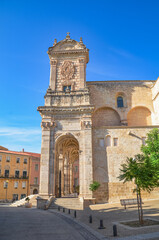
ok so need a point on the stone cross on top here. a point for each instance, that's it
(68, 35)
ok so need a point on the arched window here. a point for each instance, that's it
(120, 102)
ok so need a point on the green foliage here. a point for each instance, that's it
(143, 169)
(94, 186)
(151, 154)
(136, 170)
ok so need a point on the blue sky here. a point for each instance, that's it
(122, 37)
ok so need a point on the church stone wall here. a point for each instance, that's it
(107, 132)
(155, 98)
(136, 93)
(106, 117)
(139, 116)
(108, 159)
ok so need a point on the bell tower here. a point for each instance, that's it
(68, 59)
(66, 122)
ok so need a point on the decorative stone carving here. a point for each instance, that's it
(55, 42)
(67, 70)
(68, 35)
(48, 125)
(53, 62)
(86, 124)
(81, 60)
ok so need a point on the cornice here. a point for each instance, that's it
(66, 110)
(68, 51)
(118, 81)
(52, 93)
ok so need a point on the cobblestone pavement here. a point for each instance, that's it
(35, 224)
(113, 214)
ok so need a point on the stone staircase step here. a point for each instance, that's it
(69, 203)
(22, 202)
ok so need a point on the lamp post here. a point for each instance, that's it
(6, 186)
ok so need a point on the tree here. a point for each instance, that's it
(133, 170)
(143, 169)
(151, 155)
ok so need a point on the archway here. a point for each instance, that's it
(67, 166)
(139, 116)
(35, 191)
(106, 116)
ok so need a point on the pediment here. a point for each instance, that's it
(67, 45)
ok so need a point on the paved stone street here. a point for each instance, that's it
(115, 213)
(34, 224)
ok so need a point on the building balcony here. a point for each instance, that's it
(13, 177)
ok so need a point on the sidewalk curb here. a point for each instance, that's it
(146, 236)
(92, 231)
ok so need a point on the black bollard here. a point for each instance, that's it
(101, 225)
(75, 213)
(58, 208)
(68, 211)
(63, 209)
(114, 230)
(90, 219)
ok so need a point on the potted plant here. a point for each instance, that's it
(94, 186)
(28, 204)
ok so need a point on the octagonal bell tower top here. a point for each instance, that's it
(68, 59)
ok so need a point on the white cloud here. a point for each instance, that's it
(18, 138)
(11, 131)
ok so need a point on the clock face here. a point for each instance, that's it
(67, 70)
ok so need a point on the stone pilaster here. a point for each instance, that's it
(53, 67)
(44, 166)
(86, 162)
(47, 159)
(82, 72)
(52, 162)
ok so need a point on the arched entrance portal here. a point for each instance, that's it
(67, 166)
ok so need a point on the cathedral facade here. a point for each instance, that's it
(90, 128)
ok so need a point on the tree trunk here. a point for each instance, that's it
(141, 210)
(139, 203)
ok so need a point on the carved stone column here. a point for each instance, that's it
(53, 67)
(85, 159)
(47, 159)
(65, 175)
(62, 178)
(82, 72)
(71, 177)
(69, 185)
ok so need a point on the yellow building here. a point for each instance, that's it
(14, 175)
